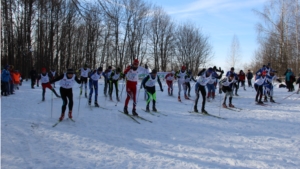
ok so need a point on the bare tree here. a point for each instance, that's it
(234, 52)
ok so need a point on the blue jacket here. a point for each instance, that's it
(5, 76)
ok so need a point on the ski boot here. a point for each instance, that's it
(265, 99)
(236, 94)
(195, 109)
(70, 114)
(224, 105)
(134, 113)
(110, 98)
(85, 95)
(204, 111)
(147, 108)
(231, 105)
(125, 110)
(186, 97)
(96, 104)
(62, 116)
(154, 109)
(43, 99)
(179, 98)
(272, 100)
(90, 102)
(260, 102)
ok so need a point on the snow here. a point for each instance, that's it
(255, 137)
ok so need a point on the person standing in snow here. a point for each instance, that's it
(258, 85)
(93, 83)
(45, 81)
(181, 75)
(84, 72)
(67, 81)
(106, 75)
(115, 76)
(235, 85)
(188, 78)
(149, 85)
(169, 80)
(241, 79)
(33, 76)
(211, 89)
(249, 76)
(204, 77)
(132, 75)
(226, 86)
(268, 87)
(5, 78)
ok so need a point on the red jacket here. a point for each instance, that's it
(242, 76)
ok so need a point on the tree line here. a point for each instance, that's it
(63, 34)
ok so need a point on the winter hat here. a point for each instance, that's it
(70, 71)
(264, 73)
(231, 75)
(210, 70)
(99, 69)
(232, 68)
(183, 67)
(109, 67)
(154, 71)
(43, 69)
(118, 69)
(136, 61)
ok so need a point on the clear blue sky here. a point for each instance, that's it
(220, 20)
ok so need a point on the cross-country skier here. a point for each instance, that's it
(106, 75)
(149, 85)
(268, 87)
(169, 80)
(54, 75)
(258, 85)
(115, 76)
(45, 81)
(235, 85)
(132, 75)
(66, 83)
(93, 84)
(188, 78)
(84, 72)
(181, 75)
(211, 87)
(249, 76)
(205, 77)
(226, 86)
(241, 79)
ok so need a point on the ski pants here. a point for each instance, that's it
(131, 93)
(151, 95)
(66, 94)
(179, 87)
(200, 88)
(83, 80)
(93, 84)
(111, 87)
(259, 91)
(228, 92)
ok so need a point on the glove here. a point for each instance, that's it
(161, 90)
(222, 71)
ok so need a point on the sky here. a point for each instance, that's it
(220, 20)
(254, 137)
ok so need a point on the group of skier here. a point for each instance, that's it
(206, 82)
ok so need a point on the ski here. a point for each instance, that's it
(207, 114)
(261, 104)
(56, 123)
(142, 118)
(149, 112)
(159, 113)
(130, 117)
(233, 109)
(72, 120)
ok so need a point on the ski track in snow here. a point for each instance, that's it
(255, 137)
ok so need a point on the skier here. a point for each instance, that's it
(84, 72)
(211, 84)
(235, 85)
(249, 76)
(241, 79)
(132, 75)
(205, 77)
(33, 76)
(258, 85)
(181, 75)
(54, 75)
(5, 78)
(45, 81)
(188, 78)
(149, 85)
(169, 80)
(115, 76)
(289, 79)
(226, 86)
(146, 73)
(106, 75)
(66, 83)
(93, 83)
(268, 87)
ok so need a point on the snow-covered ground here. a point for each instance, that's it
(256, 137)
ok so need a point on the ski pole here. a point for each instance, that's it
(51, 102)
(121, 93)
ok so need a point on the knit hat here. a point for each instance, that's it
(154, 71)
(232, 68)
(183, 67)
(136, 61)
(99, 69)
(70, 71)
(264, 73)
(43, 69)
